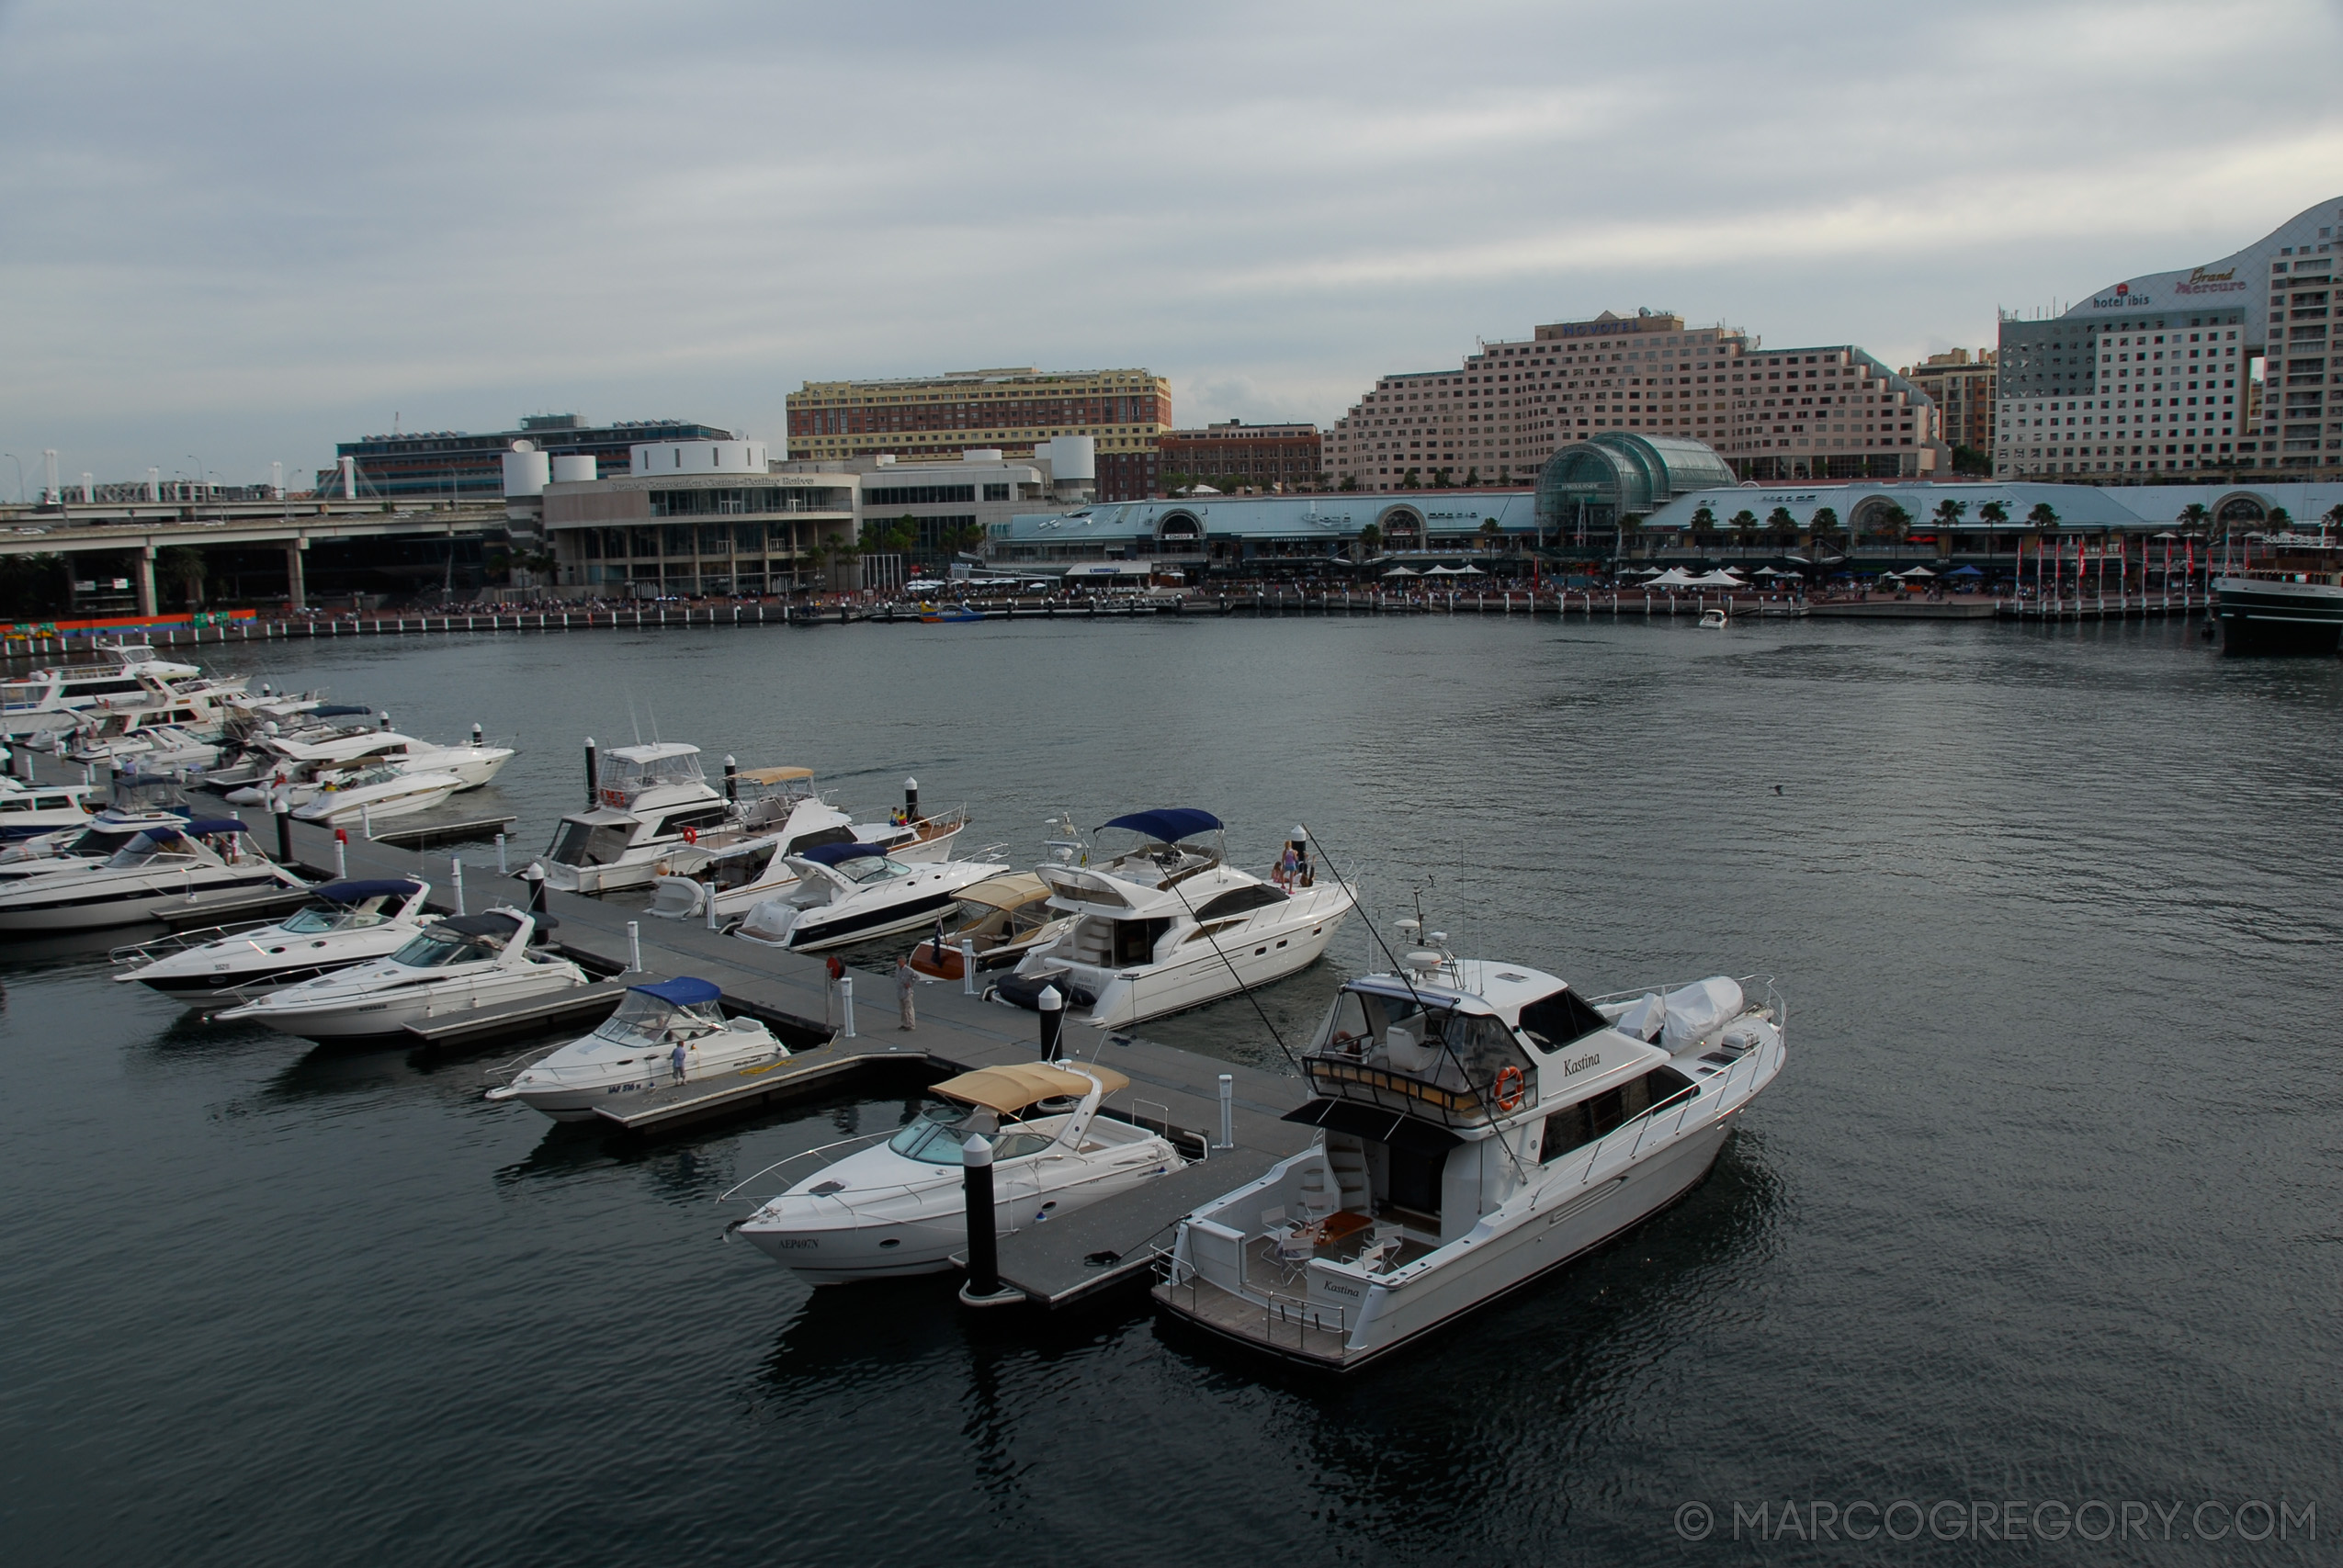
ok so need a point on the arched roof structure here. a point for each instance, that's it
(1615, 474)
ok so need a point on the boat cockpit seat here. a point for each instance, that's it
(1405, 1051)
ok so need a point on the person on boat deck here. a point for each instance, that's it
(680, 1060)
(906, 979)
(1285, 876)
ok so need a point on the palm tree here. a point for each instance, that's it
(1819, 527)
(2280, 520)
(1948, 517)
(1370, 541)
(1489, 533)
(1784, 522)
(1993, 512)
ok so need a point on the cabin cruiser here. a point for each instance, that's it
(900, 1208)
(163, 750)
(634, 1051)
(2288, 601)
(648, 801)
(86, 848)
(1170, 925)
(159, 868)
(850, 893)
(305, 765)
(1479, 1124)
(1000, 919)
(198, 710)
(452, 967)
(748, 863)
(50, 700)
(374, 794)
(351, 922)
(35, 811)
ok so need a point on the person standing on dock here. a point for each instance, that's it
(905, 979)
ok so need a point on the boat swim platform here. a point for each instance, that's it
(1172, 1090)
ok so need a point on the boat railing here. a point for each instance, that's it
(1344, 1077)
(1675, 1111)
(140, 953)
(1278, 1308)
(859, 1138)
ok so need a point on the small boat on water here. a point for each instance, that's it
(1168, 925)
(1001, 918)
(850, 893)
(377, 794)
(1714, 620)
(190, 714)
(900, 1208)
(351, 922)
(949, 614)
(746, 863)
(635, 1051)
(161, 866)
(1480, 1125)
(450, 967)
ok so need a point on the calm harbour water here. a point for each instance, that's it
(2043, 1208)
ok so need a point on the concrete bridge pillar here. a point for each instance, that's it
(296, 581)
(146, 579)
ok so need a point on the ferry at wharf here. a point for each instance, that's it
(350, 923)
(1481, 1124)
(901, 1208)
(851, 892)
(745, 867)
(163, 864)
(2291, 601)
(1168, 924)
(652, 813)
(634, 1051)
(448, 968)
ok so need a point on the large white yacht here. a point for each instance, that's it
(351, 922)
(1480, 1125)
(1170, 925)
(634, 1051)
(375, 793)
(780, 814)
(647, 800)
(304, 766)
(161, 866)
(191, 712)
(450, 967)
(900, 1208)
(54, 699)
(850, 893)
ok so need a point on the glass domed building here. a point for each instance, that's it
(1587, 487)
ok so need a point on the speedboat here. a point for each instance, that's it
(85, 849)
(448, 968)
(375, 793)
(112, 727)
(163, 749)
(160, 868)
(1170, 925)
(51, 700)
(634, 1051)
(352, 923)
(747, 864)
(850, 893)
(1479, 1124)
(39, 810)
(1714, 620)
(303, 766)
(900, 1208)
(1000, 919)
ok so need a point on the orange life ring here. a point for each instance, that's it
(691, 835)
(1510, 1097)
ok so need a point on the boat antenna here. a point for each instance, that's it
(1401, 970)
(1248, 990)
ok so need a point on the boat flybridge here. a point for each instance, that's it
(1479, 1124)
(161, 867)
(50, 700)
(647, 800)
(450, 967)
(351, 922)
(900, 1208)
(781, 815)
(1170, 925)
(850, 893)
(634, 1051)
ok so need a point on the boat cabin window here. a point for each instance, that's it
(1552, 1022)
(642, 1016)
(1237, 901)
(815, 840)
(1575, 1126)
(439, 947)
(101, 841)
(1135, 940)
(588, 843)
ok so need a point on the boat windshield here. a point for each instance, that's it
(143, 851)
(336, 918)
(865, 870)
(589, 843)
(645, 1017)
(439, 947)
(935, 1138)
(101, 841)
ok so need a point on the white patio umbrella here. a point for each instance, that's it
(1401, 571)
(1468, 571)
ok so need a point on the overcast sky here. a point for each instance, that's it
(245, 231)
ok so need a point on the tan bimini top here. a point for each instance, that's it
(1011, 1088)
(771, 775)
(1005, 892)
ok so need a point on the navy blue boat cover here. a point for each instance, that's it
(830, 855)
(684, 992)
(1170, 825)
(352, 892)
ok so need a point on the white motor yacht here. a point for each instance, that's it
(198, 710)
(304, 766)
(161, 867)
(634, 1051)
(850, 893)
(1170, 925)
(1480, 1125)
(747, 863)
(450, 967)
(85, 848)
(376, 795)
(649, 801)
(52, 700)
(38, 811)
(351, 922)
(900, 1208)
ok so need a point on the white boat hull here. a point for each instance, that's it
(1257, 958)
(43, 907)
(367, 1018)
